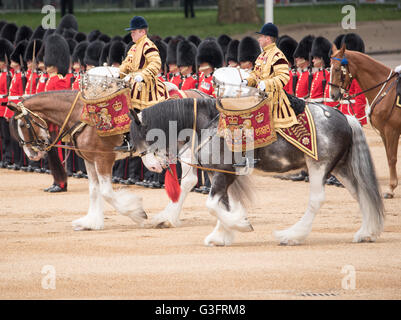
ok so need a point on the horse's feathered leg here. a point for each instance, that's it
(231, 214)
(170, 216)
(94, 220)
(391, 145)
(299, 231)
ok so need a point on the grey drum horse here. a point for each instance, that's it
(342, 150)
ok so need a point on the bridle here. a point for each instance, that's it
(344, 68)
(31, 119)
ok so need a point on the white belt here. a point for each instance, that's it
(14, 97)
(316, 100)
(347, 101)
(3, 96)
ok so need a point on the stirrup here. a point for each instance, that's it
(245, 163)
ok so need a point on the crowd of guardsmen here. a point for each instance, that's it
(27, 68)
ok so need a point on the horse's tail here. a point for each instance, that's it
(56, 167)
(368, 191)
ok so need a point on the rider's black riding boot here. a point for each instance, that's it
(126, 146)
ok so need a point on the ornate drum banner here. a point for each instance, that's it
(108, 114)
(247, 129)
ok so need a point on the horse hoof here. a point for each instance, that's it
(164, 225)
(388, 195)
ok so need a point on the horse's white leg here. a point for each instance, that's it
(123, 201)
(299, 231)
(234, 219)
(170, 216)
(94, 220)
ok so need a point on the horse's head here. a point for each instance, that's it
(340, 76)
(147, 152)
(30, 130)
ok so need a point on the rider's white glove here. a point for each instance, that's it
(138, 78)
(262, 86)
(244, 82)
(127, 78)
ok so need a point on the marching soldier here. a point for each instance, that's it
(57, 60)
(302, 62)
(6, 48)
(248, 52)
(77, 63)
(288, 45)
(43, 76)
(357, 105)
(186, 60)
(173, 75)
(16, 92)
(209, 57)
(319, 91)
(224, 40)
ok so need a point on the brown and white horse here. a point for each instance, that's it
(378, 83)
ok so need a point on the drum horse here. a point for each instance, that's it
(382, 88)
(63, 108)
(341, 147)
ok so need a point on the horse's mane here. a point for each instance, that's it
(179, 110)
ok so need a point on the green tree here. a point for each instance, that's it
(238, 11)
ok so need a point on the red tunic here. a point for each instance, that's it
(56, 82)
(358, 104)
(16, 92)
(189, 82)
(4, 91)
(301, 90)
(68, 80)
(75, 85)
(42, 82)
(32, 77)
(289, 86)
(176, 79)
(206, 85)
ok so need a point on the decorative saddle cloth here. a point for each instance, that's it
(246, 129)
(109, 115)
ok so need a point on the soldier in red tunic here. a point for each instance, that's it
(43, 76)
(319, 91)
(162, 47)
(288, 45)
(77, 63)
(57, 60)
(33, 76)
(186, 60)
(209, 57)
(301, 55)
(173, 75)
(6, 74)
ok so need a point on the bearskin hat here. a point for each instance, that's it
(304, 47)
(29, 54)
(117, 38)
(41, 54)
(232, 51)
(287, 45)
(18, 53)
(167, 39)
(104, 37)
(6, 48)
(69, 33)
(186, 53)
(172, 51)
(338, 41)
(248, 49)
(154, 38)
(321, 48)
(38, 33)
(127, 38)
(223, 40)
(162, 47)
(9, 31)
(57, 53)
(210, 52)
(67, 22)
(129, 45)
(71, 45)
(48, 32)
(194, 39)
(117, 52)
(104, 56)
(354, 42)
(180, 37)
(93, 35)
(80, 36)
(79, 52)
(23, 33)
(93, 52)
